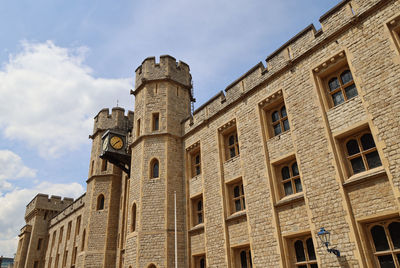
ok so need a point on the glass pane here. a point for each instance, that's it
(251, 264)
(398, 257)
(277, 129)
(295, 169)
(337, 98)
(373, 160)
(285, 173)
(200, 218)
(288, 188)
(244, 203)
(232, 152)
(357, 164)
(379, 237)
(231, 140)
(200, 206)
(386, 261)
(202, 263)
(394, 230)
(297, 183)
(197, 170)
(302, 266)
(283, 111)
(275, 116)
(298, 247)
(314, 265)
(155, 170)
(333, 84)
(243, 259)
(351, 91)
(367, 141)
(197, 159)
(238, 207)
(236, 191)
(286, 125)
(346, 77)
(352, 147)
(241, 188)
(310, 249)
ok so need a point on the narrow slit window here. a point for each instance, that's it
(156, 121)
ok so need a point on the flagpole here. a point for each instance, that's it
(176, 235)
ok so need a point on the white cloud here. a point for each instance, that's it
(12, 210)
(12, 167)
(49, 97)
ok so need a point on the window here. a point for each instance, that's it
(133, 223)
(100, 202)
(385, 242)
(78, 225)
(394, 28)
(152, 266)
(74, 253)
(64, 263)
(290, 176)
(243, 258)
(237, 198)
(138, 128)
(69, 230)
(304, 253)
(36, 264)
(39, 244)
(200, 261)
(361, 153)
(279, 120)
(83, 240)
(154, 169)
(197, 204)
(61, 235)
(91, 168)
(341, 86)
(53, 240)
(57, 260)
(104, 164)
(156, 121)
(196, 163)
(231, 144)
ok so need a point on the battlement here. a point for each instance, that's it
(116, 120)
(42, 201)
(167, 69)
(338, 19)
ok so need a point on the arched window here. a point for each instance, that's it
(245, 259)
(280, 122)
(133, 223)
(83, 240)
(386, 242)
(100, 202)
(305, 253)
(342, 87)
(155, 169)
(152, 266)
(291, 179)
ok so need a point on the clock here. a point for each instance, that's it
(116, 142)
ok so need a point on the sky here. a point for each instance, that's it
(63, 61)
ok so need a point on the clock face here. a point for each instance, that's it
(116, 142)
(105, 143)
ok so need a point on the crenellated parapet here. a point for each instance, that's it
(340, 18)
(167, 69)
(43, 202)
(116, 120)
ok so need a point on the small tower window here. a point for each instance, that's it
(104, 164)
(156, 121)
(100, 202)
(133, 223)
(138, 128)
(154, 168)
(83, 240)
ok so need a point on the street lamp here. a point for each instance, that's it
(325, 236)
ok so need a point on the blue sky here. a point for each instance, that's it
(63, 61)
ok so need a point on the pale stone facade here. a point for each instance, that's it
(311, 141)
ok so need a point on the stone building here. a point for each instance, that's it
(311, 141)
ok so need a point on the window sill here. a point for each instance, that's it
(232, 158)
(237, 215)
(290, 199)
(198, 227)
(278, 137)
(365, 176)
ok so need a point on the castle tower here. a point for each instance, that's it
(104, 186)
(33, 238)
(162, 100)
